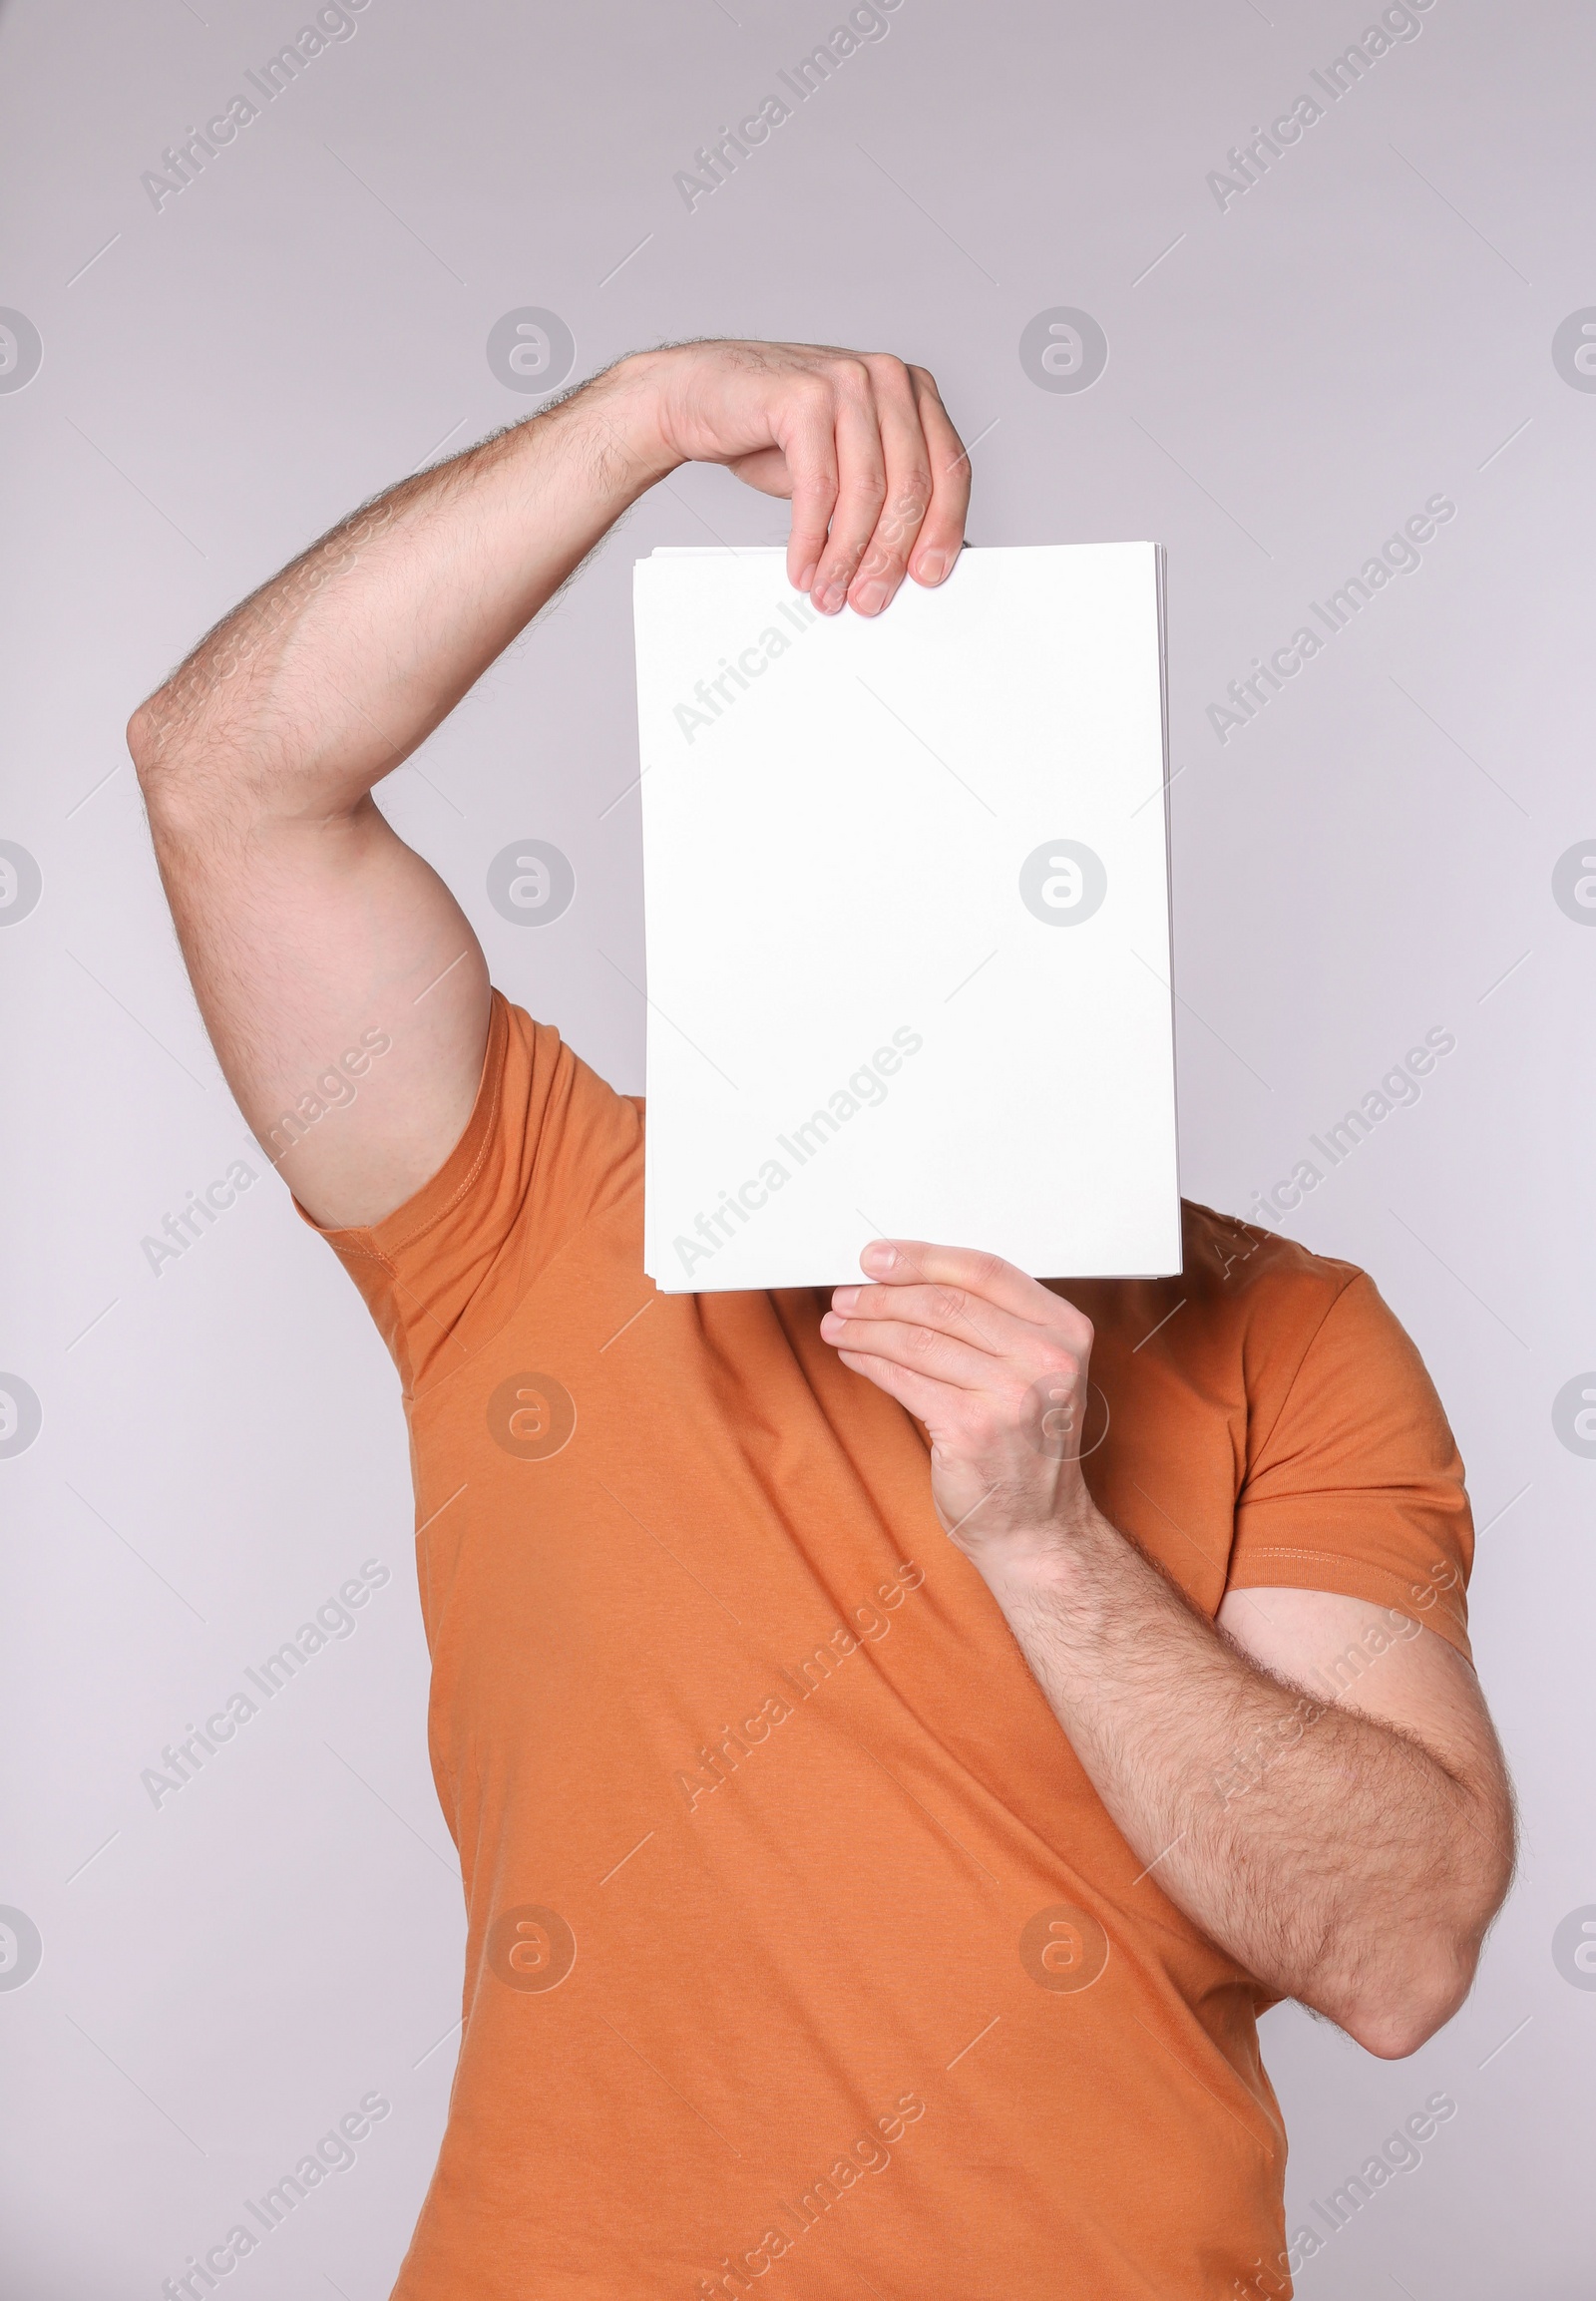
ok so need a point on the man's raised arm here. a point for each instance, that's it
(310, 929)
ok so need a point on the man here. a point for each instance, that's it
(895, 1746)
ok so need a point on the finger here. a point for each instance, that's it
(952, 1311)
(765, 469)
(918, 1262)
(908, 488)
(916, 1393)
(861, 487)
(942, 532)
(919, 1349)
(807, 438)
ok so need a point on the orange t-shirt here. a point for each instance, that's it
(801, 1946)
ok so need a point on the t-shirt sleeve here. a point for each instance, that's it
(549, 1147)
(1357, 1485)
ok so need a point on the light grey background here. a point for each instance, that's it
(222, 1445)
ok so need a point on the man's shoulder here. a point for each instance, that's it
(1243, 1294)
(1227, 1260)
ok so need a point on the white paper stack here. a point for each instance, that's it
(908, 919)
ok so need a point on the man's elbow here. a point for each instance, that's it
(149, 746)
(1425, 1981)
(176, 775)
(1393, 2017)
(1399, 2021)
(142, 734)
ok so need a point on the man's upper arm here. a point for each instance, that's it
(1374, 1659)
(341, 985)
(1353, 1541)
(343, 988)
(1353, 1481)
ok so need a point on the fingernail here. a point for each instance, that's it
(807, 574)
(880, 1256)
(845, 1299)
(872, 599)
(931, 566)
(831, 597)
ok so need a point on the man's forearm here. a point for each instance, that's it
(329, 676)
(1337, 1860)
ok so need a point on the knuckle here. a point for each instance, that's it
(858, 505)
(921, 1340)
(912, 499)
(989, 1270)
(813, 400)
(901, 518)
